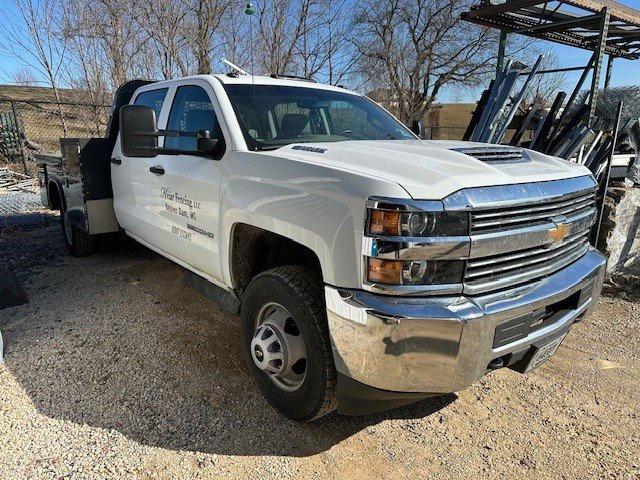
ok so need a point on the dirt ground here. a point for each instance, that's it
(116, 369)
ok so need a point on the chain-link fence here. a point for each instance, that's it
(35, 126)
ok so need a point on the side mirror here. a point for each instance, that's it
(417, 127)
(206, 144)
(138, 131)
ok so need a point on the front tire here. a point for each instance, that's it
(287, 343)
(78, 242)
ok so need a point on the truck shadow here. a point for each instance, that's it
(139, 353)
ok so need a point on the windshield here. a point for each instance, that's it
(272, 116)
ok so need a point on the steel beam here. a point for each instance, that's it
(503, 7)
(572, 98)
(607, 176)
(562, 24)
(511, 23)
(502, 46)
(501, 129)
(597, 66)
(558, 70)
(607, 77)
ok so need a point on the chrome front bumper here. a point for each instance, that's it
(441, 345)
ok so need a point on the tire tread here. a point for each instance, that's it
(82, 242)
(306, 285)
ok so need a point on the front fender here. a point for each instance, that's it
(317, 206)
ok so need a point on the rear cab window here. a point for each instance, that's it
(152, 99)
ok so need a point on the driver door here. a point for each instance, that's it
(185, 199)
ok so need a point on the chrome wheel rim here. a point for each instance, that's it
(277, 347)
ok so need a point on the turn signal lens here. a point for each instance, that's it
(388, 272)
(412, 272)
(384, 222)
(393, 223)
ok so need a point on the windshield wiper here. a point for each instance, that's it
(265, 148)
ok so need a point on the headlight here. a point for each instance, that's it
(414, 272)
(414, 247)
(392, 223)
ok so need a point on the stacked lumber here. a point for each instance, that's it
(11, 181)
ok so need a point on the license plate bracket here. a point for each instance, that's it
(544, 352)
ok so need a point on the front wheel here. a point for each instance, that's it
(78, 242)
(287, 342)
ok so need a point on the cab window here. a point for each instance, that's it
(152, 99)
(284, 115)
(191, 111)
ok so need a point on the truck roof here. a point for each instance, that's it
(283, 81)
(260, 80)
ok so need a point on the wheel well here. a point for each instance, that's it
(55, 202)
(255, 250)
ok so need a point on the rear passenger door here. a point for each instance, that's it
(186, 188)
(130, 175)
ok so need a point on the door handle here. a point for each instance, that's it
(116, 161)
(157, 170)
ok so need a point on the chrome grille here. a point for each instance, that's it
(507, 269)
(488, 221)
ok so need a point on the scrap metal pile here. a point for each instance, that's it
(11, 181)
(565, 129)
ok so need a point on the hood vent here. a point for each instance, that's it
(493, 154)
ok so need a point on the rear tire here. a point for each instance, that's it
(78, 242)
(296, 291)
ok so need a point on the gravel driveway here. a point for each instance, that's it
(116, 369)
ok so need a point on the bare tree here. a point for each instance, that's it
(281, 25)
(165, 24)
(86, 74)
(324, 47)
(25, 76)
(168, 38)
(418, 46)
(113, 26)
(309, 38)
(342, 54)
(236, 42)
(313, 46)
(207, 16)
(31, 36)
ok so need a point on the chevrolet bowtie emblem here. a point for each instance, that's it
(559, 232)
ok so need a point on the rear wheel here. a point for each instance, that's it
(287, 342)
(78, 242)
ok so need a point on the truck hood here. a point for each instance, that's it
(430, 169)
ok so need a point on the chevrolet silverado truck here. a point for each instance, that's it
(370, 268)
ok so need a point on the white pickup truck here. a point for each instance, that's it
(371, 268)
